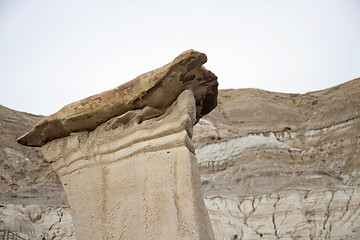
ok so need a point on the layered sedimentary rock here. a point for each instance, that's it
(293, 213)
(126, 158)
(37, 222)
(282, 166)
(153, 91)
(273, 166)
(20, 166)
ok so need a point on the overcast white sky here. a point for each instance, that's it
(55, 52)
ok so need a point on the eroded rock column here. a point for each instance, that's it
(134, 175)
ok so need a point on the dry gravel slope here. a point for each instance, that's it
(273, 166)
(20, 166)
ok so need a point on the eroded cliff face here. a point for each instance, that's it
(282, 166)
(20, 166)
(38, 222)
(273, 166)
(125, 157)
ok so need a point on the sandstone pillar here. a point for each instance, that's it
(126, 159)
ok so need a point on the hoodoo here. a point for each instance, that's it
(126, 158)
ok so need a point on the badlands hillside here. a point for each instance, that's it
(273, 166)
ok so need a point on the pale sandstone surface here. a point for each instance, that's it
(261, 179)
(290, 214)
(156, 89)
(134, 180)
(38, 222)
(126, 159)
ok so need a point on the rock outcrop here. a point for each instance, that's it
(126, 158)
(153, 92)
(273, 166)
(282, 166)
(20, 166)
(293, 213)
(37, 222)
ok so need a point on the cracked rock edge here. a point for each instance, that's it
(157, 89)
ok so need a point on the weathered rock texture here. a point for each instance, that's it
(262, 180)
(282, 166)
(126, 158)
(37, 222)
(20, 166)
(153, 91)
